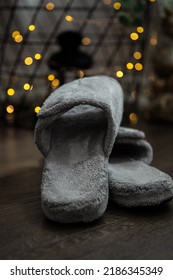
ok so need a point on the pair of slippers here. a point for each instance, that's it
(90, 158)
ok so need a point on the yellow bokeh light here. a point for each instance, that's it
(69, 18)
(107, 2)
(26, 86)
(133, 94)
(51, 77)
(10, 91)
(138, 66)
(81, 74)
(37, 109)
(119, 74)
(55, 83)
(134, 36)
(31, 27)
(137, 55)
(50, 6)
(133, 118)
(37, 56)
(28, 60)
(18, 38)
(15, 33)
(140, 29)
(129, 65)
(153, 41)
(10, 109)
(117, 6)
(86, 41)
(152, 1)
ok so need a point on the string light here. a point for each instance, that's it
(86, 41)
(37, 56)
(15, 33)
(107, 2)
(69, 18)
(10, 109)
(18, 38)
(117, 6)
(129, 65)
(51, 77)
(134, 36)
(138, 66)
(119, 74)
(10, 91)
(55, 83)
(26, 86)
(133, 94)
(31, 27)
(37, 109)
(50, 6)
(81, 73)
(153, 40)
(31, 87)
(133, 118)
(137, 55)
(28, 60)
(140, 29)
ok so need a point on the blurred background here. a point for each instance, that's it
(45, 44)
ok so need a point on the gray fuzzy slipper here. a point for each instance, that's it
(76, 143)
(132, 182)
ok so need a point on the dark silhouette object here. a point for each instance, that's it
(69, 57)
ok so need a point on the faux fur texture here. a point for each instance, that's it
(75, 131)
(132, 183)
(131, 143)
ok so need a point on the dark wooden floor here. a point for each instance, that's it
(120, 234)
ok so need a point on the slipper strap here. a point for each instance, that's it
(98, 91)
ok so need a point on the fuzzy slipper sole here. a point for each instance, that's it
(77, 147)
(132, 182)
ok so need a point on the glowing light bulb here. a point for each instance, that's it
(86, 41)
(31, 27)
(51, 77)
(81, 73)
(37, 109)
(37, 56)
(133, 118)
(18, 38)
(133, 93)
(55, 83)
(129, 65)
(119, 74)
(10, 91)
(69, 18)
(137, 55)
(107, 2)
(140, 29)
(15, 33)
(50, 6)
(26, 86)
(10, 109)
(117, 6)
(134, 36)
(28, 60)
(153, 41)
(138, 66)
